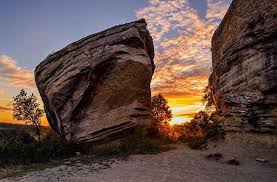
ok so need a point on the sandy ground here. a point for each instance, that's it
(180, 164)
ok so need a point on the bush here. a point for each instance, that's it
(197, 143)
(200, 127)
(50, 134)
(138, 141)
(214, 131)
(106, 149)
(16, 134)
(17, 152)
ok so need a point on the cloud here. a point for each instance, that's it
(14, 75)
(216, 10)
(182, 44)
(3, 108)
(182, 40)
(2, 91)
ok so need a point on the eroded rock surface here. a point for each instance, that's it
(244, 77)
(99, 86)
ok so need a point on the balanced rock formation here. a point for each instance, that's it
(99, 86)
(244, 77)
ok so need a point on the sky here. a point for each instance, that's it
(182, 30)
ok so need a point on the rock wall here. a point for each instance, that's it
(99, 86)
(244, 59)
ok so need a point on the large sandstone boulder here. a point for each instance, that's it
(99, 86)
(244, 77)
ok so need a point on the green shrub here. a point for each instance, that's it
(200, 127)
(17, 152)
(102, 149)
(50, 134)
(197, 143)
(132, 145)
(214, 131)
(140, 141)
(137, 141)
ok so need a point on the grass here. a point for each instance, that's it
(197, 143)
(139, 142)
(136, 141)
(28, 128)
(13, 152)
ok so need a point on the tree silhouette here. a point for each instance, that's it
(161, 112)
(26, 108)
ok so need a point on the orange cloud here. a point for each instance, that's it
(182, 45)
(15, 76)
(2, 91)
(3, 108)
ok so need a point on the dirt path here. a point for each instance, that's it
(181, 164)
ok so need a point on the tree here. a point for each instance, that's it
(26, 108)
(161, 112)
(196, 127)
(207, 99)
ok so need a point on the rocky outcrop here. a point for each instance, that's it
(244, 77)
(99, 86)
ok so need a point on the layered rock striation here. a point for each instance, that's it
(99, 86)
(244, 59)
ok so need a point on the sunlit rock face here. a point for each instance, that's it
(244, 77)
(98, 87)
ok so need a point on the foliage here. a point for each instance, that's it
(200, 127)
(17, 152)
(105, 149)
(199, 130)
(196, 127)
(214, 131)
(162, 114)
(137, 141)
(16, 134)
(207, 99)
(197, 143)
(51, 135)
(44, 130)
(140, 142)
(26, 108)
(160, 108)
